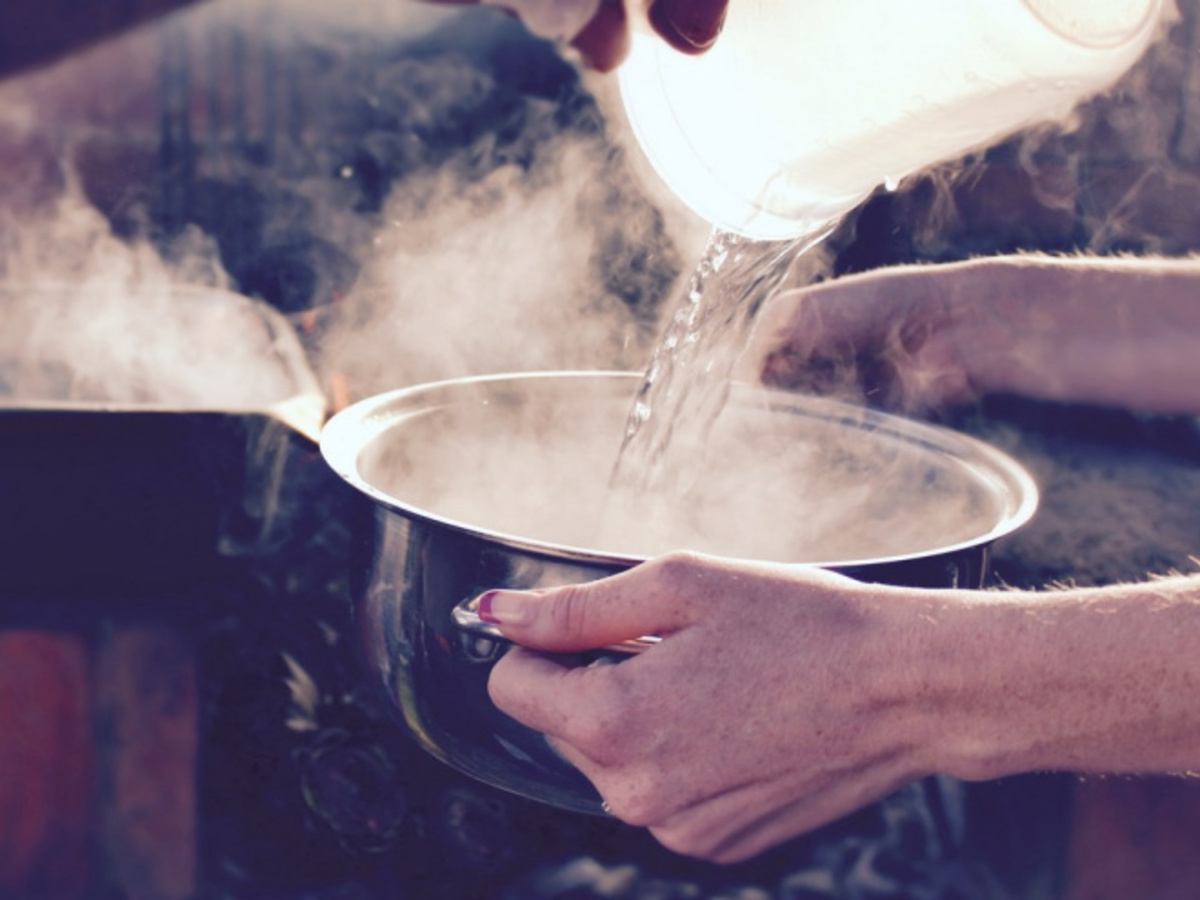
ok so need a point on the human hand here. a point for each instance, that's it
(599, 29)
(1110, 331)
(778, 700)
(899, 339)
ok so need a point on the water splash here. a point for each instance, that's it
(688, 380)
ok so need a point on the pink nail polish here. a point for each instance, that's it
(484, 608)
(505, 607)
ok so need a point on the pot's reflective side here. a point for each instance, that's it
(420, 565)
(437, 673)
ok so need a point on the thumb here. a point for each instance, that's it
(588, 616)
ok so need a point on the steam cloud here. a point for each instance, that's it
(414, 202)
(781, 482)
(90, 318)
(494, 276)
(349, 152)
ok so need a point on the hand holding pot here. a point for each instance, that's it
(599, 29)
(778, 699)
(781, 698)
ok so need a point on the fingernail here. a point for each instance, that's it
(689, 24)
(505, 607)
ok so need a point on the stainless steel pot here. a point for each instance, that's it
(469, 498)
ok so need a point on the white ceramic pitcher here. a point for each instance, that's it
(803, 107)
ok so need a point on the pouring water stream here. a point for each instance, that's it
(689, 377)
(737, 139)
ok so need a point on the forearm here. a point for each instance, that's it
(1122, 332)
(35, 32)
(1102, 680)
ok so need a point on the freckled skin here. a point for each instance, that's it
(781, 698)
(1113, 331)
(679, 739)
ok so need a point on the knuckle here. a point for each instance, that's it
(642, 812)
(683, 580)
(499, 685)
(506, 691)
(601, 729)
(569, 612)
(675, 571)
(637, 803)
(686, 842)
(678, 563)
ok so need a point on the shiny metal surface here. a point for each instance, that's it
(466, 617)
(420, 568)
(42, 377)
(140, 490)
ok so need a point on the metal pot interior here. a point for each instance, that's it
(525, 460)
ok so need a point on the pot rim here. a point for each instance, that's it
(304, 408)
(348, 433)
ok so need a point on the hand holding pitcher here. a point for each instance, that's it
(600, 29)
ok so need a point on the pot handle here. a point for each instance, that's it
(466, 617)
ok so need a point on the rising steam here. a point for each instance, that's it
(420, 205)
(428, 245)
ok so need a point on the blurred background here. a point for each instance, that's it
(321, 204)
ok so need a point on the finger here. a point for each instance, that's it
(739, 824)
(598, 29)
(842, 338)
(735, 841)
(544, 695)
(604, 41)
(557, 20)
(690, 26)
(547, 696)
(841, 313)
(722, 828)
(891, 340)
(653, 598)
(787, 821)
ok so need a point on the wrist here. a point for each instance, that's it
(973, 661)
(1098, 680)
(929, 677)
